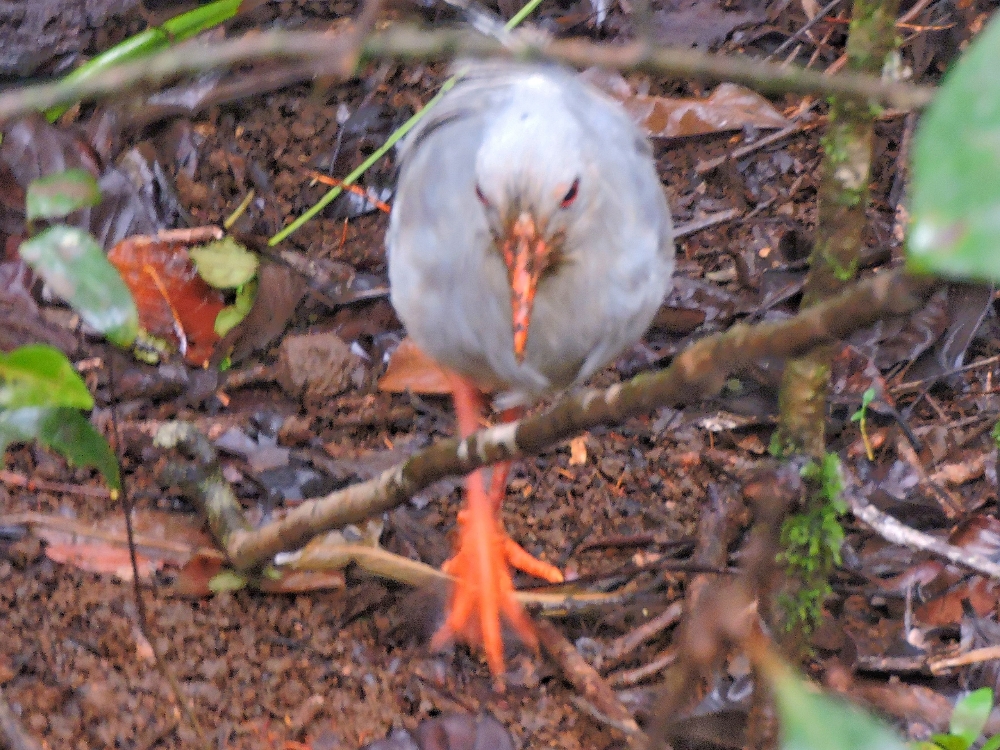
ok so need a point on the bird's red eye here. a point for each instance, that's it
(482, 198)
(570, 196)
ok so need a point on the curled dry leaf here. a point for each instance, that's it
(977, 535)
(161, 539)
(279, 291)
(963, 471)
(316, 366)
(195, 578)
(411, 370)
(102, 558)
(174, 303)
(729, 107)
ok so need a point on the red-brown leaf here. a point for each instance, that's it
(173, 301)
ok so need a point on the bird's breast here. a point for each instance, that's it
(584, 313)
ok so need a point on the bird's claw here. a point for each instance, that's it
(483, 590)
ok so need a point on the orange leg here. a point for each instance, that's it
(517, 556)
(481, 565)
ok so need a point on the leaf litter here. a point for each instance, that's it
(256, 663)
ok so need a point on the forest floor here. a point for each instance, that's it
(341, 661)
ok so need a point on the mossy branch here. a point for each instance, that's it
(698, 372)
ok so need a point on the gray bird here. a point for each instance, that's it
(529, 244)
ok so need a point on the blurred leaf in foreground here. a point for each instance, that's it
(76, 269)
(955, 224)
(58, 195)
(39, 375)
(224, 264)
(811, 720)
(968, 719)
(67, 432)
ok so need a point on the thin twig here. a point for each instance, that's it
(629, 642)
(669, 61)
(950, 503)
(896, 532)
(142, 616)
(914, 385)
(337, 55)
(913, 12)
(802, 30)
(975, 656)
(703, 167)
(629, 677)
(713, 219)
(13, 479)
(590, 684)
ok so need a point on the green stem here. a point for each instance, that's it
(174, 30)
(526, 11)
(381, 151)
(405, 128)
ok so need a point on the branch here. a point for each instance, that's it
(698, 372)
(337, 55)
(896, 532)
(841, 216)
(771, 78)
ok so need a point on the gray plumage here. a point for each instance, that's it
(523, 134)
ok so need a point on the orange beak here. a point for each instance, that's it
(526, 256)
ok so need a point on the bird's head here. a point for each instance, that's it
(531, 184)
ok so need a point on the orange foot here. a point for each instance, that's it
(483, 588)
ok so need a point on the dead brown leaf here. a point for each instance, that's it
(411, 370)
(730, 107)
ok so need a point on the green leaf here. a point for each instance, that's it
(39, 375)
(971, 713)
(949, 742)
(232, 315)
(225, 264)
(227, 580)
(58, 195)
(955, 210)
(811, 720)
(73, 264)
(67, 432)
(866, 399)
(993, 743)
